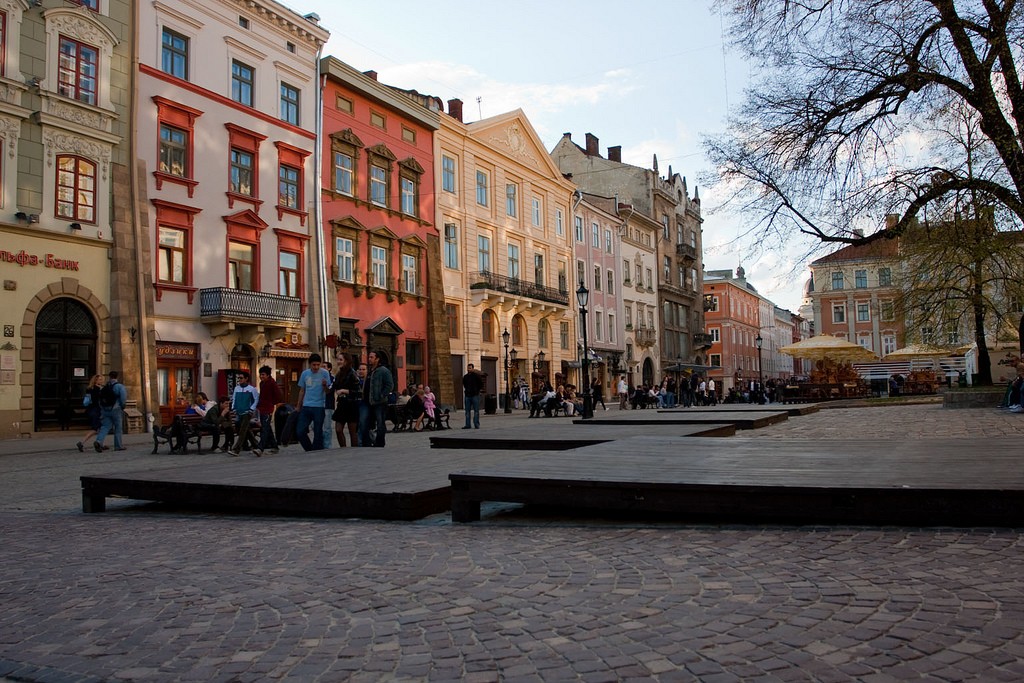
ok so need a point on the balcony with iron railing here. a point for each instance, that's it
(502, 284)
(702, 340)
(227, 305)
(645, 336)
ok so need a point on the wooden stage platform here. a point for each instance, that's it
(561, 435)
(662, 469)
(743, 419)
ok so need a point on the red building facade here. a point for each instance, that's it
(378, 210)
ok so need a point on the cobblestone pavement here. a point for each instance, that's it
(144, 593)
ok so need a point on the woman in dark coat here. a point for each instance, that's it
(346, 396)
(92, 410)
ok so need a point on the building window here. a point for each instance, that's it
(407, 187)
(378, 120)
(888, 344)
(487, 327)
(863, 313)
(379, 266)
(414, 366)
(595, 236)
(542, 333)
(174, 54)
(343, 104)
(649, 282)
(289, 104)
(513, 261)
(581, 272)
(451, 312)
(78, 70)
(289, 274)
(511, 190)
(839, 313)
(559, 223)
(598, 327)
(563, 335)
(597, 278)
(288, 187)
(837, 281)
(608, 241)
(716, 335)
(579, 229)
(241, 82)
(94, 5)
(76, 189)
(483, 253)
(241, 172)
(517, 331)
(241, 266)
(535, 213)
(611, 282)
(448, 174)
(885, 277)
(716, 360)
(668, 269)
(344, 178)
(714, 305)
(451, 245)
(563, 277)
(481, 188)
(409, 273)
(174, 151)
(378, 185)
(629, 317)
(173, 253)
(343, 258)
(664, 227)
(860, 279)
(538, 270)
(887, 311)
(611, 328)
(409, 135)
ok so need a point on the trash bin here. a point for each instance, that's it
(490, 404)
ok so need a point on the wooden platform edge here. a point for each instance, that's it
(747, 504)
(274, 500)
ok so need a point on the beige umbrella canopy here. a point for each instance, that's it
(826, 346)
(918, 351)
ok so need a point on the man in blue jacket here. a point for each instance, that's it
(113, 397)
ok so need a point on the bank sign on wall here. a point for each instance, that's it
(23, 258)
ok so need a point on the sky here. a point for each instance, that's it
(649, 75)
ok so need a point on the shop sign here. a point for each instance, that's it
(172, 351)
(23, 258)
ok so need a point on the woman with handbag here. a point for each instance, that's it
(91, 401)
(346, 390)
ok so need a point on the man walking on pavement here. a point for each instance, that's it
(472, 384)
(113, 397)
(313, 384)
(376, 390)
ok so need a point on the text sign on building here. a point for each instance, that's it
(23, 258)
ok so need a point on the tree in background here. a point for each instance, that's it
(839, 129)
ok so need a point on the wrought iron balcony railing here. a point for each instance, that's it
(702, 339)
(518, 287)
(239, 305)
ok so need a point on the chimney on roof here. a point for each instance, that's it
(455, 109)
(593, 146)
(371, 74)
(615, 153)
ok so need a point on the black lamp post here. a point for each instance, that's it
(512, 366)
(583, 298)
(508, 388)
(760, 377)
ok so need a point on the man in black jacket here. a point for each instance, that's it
(472, 385)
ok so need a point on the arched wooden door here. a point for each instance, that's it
(66, 338)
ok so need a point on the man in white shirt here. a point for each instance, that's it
(623, 390)
(712, 395)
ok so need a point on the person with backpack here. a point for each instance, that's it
(113, 397)
(91, 401)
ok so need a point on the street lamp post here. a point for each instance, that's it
(508, 388)
(760, 376)
(512, 353)
(583, 298)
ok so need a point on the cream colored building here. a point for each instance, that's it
(639, 255)
(507, 256)
(228, 106)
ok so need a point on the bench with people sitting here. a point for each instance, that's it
(183, 430)
(642, 398)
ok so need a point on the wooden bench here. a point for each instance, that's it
(184, 429)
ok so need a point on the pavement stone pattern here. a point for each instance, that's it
(146, 593)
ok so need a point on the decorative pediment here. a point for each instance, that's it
(384, 232)
(384, 325)
(382, 150)
(348, 222)
(247, 219)
(412, 165)
(414, 240)
(348, 137)
(512, 135)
